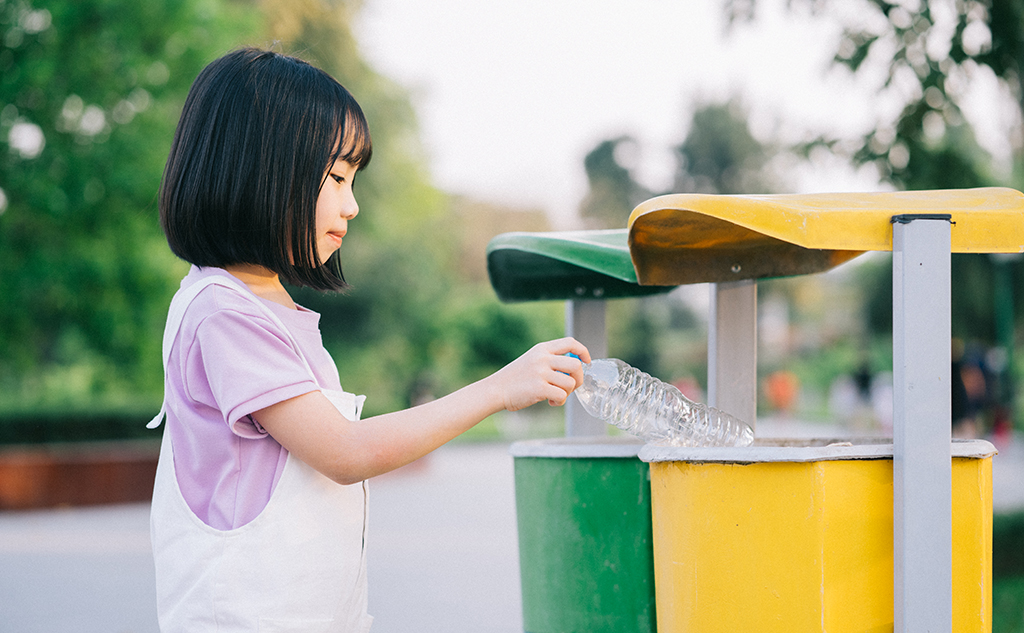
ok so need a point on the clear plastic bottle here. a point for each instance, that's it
(655, 411)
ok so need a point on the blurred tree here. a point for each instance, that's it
(89, 96)
(932, 52)
(382, 331)
(613, 190)
(720, 155)
(389, 332)
(90, 92)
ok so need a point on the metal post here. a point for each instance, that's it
(922, 475)
(584, 321)
(732, 349)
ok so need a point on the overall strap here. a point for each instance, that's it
(176, 313)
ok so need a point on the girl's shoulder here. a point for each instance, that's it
(214, 295)
(213, 291)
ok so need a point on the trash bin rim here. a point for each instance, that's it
(589, 446)
(802, 450)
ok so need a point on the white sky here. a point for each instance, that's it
(511, 94)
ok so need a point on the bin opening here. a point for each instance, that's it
(802, 450)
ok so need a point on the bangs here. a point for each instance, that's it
(356, 147)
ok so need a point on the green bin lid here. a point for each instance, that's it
(562, 265)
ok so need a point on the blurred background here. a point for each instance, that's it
(512, 116)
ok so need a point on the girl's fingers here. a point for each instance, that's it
(568, 365)
(565, 381)
(569, 345)
(558, 396)
(561, 384)
(544, 373)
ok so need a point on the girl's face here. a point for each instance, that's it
(335, 206)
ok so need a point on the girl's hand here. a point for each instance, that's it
(542, 373)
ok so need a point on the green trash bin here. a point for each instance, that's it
(583, 507)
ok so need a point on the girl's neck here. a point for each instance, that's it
(263, 282)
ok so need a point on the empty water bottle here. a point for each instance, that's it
(654, 411)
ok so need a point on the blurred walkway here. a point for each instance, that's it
(443, 550)
(443, 556)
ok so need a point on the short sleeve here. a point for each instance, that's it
(240, 362)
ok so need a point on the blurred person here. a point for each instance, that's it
(782, 388)
(958, 391)
(969, 391)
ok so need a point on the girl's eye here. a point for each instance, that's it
(338, 179)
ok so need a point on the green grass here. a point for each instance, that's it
(1008, 605)
(539, 421)
(1008, 573)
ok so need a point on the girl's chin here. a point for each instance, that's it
(326, 251)
(327, 257)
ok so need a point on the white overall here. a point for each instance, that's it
(298, 566)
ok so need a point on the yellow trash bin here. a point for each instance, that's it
(798, 536)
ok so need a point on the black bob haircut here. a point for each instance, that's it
(257, 133)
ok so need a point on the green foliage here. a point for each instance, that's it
(914, 159)
(85, 272)
(930, 145)
(89, 95)
(973, 280)
(1008, 573)
(720, 155)
(641, 333)
(404, 331)
(930, 52)
(398, 345)
(659, 335)
(412, 326)
(1008, 545)
(1008, 605)
(77, 423)
(477, 329)
(613, 192)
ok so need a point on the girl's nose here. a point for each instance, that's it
(350, 209)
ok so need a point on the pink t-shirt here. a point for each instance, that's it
(228, 360)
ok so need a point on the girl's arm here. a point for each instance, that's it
(347, 451)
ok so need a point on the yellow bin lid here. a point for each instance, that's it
(695, 238)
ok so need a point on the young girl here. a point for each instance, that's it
(259, 507)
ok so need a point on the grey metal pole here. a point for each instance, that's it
(922, 471)
(732, 349)
(585, 321)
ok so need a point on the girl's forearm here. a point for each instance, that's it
(350, 451)
(404, 436)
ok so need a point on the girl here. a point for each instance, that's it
(259, 507)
